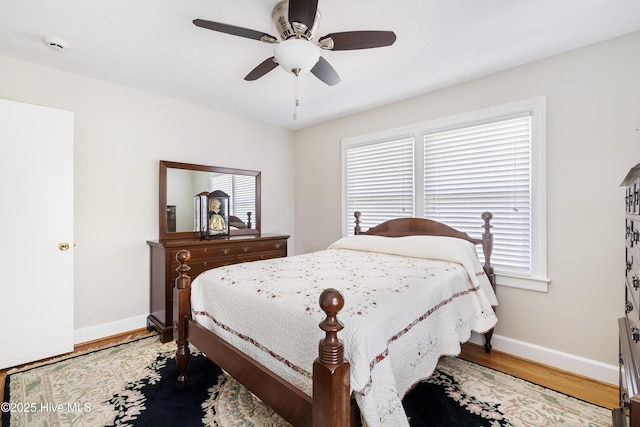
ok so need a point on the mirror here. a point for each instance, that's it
(181, 182)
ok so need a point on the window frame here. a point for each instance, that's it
(537, 280)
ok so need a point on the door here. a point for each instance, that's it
(36, 230)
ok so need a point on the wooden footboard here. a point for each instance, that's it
(331, 404)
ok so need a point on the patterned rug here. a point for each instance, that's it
(134, 384)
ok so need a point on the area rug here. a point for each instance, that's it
(134, 384)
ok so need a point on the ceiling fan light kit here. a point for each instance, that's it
(298, 56)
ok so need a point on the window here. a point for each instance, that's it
(453, 169)
(241, 189)
(380, 180)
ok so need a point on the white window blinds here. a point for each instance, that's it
(241, 190)
(244, 192)
(484, 168)
(379, 181)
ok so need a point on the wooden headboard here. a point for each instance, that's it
(400, 227)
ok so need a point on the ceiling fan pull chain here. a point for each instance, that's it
(296, 101)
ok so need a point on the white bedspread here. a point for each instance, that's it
(408, 301)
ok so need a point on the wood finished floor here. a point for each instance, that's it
(582, 388)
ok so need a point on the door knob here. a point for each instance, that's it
(63, 246)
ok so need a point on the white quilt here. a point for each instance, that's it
(408, 300)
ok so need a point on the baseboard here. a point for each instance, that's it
(103, 330)
(567, 362)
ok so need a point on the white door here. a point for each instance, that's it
(36, 221)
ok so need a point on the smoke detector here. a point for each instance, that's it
(55, 43)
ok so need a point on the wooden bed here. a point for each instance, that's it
(331, 404)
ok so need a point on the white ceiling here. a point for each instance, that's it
(152, 45)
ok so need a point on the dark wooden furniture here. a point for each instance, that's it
(180, 182)
(331, 404)
(629, 325)
(205, 254)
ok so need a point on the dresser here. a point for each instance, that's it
(629, 325)
(205, 254)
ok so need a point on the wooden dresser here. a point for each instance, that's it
(205, 254)
(629, 325)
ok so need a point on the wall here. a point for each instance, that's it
(593, 138)
(120, 136)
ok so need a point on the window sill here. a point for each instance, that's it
(519, 282)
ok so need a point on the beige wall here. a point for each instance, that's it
(593, 117)
(120, 135)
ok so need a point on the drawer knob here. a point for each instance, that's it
(225, 251)
(245, 249)
(628, 307)
(277, 245)
(635, 281)
(629, 263)
(635, 334)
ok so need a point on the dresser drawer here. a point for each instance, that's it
(261, 256)
(203, 259)
(251, 248)
(199, 267)
(208, 252)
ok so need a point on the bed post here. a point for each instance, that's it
(331, 381)
(182, 313)
(356, 229)
(487, 249)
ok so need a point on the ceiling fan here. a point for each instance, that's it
(297, 22)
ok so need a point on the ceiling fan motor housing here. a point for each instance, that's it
(287, 30)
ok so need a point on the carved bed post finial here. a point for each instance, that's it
(487, 246)
(356, 229)
(182, 313)
(331, 350)
(331, 381)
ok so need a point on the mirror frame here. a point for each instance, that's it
(164, 234)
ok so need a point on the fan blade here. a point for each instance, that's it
(262, 69)
(351, 40)
(325, 72)
(303, 11)
(235, 31)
